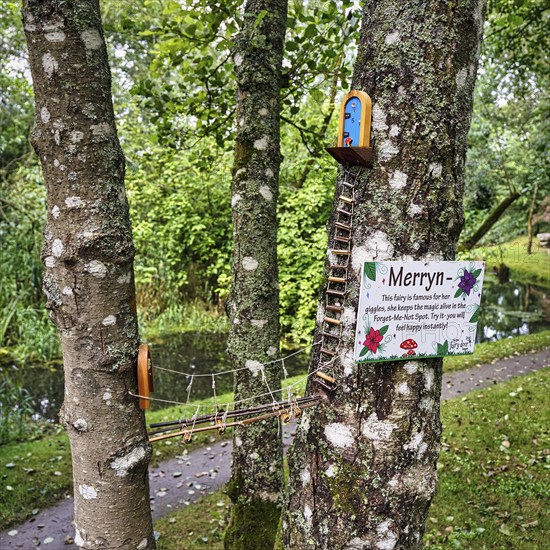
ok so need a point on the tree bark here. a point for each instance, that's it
(88, 277)
(363, 467)
(257, 477)
(489, 221)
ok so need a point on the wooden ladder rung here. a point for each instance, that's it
(330, 335)
(337, 279)
(336, 292)
(344, 226)
(328, 352)
(332, 321)
(336, 266)
(335, 308)
(326, 377)
(341, 252)
(347, 200)
(342, 239)
(342, 211)
(347, 184)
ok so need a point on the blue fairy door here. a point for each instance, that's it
(352, 119)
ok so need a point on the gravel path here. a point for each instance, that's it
(181, 481)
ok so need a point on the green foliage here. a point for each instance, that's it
(24, 324)
(302, 247)
(517, 38)
(181, 223)
(507, 154)
(16, 410)
(16, 92)
(173, 85)
(509, 133)
(193, 44)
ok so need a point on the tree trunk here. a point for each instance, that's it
(489, 221)
(532, 207)
(363, 467)
(257, 477)
(88, 277)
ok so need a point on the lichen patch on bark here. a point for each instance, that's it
(87, 492)
(249, 263)
(266, 193)
(91, 38)
(377, 430)
(339, 435)
(398, 179)
(125, 464)
(49, 64)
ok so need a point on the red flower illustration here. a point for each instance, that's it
(373, 339)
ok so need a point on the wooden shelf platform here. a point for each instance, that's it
(352, 156)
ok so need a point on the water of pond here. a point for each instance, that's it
(508, 309)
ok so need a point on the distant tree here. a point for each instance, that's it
(88, 277)
(490, 220)
(363, 466)
(257, 477)
(509, 133)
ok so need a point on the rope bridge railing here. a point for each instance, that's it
(236, 413)
(230, 414)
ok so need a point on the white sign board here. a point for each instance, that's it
(422, 309)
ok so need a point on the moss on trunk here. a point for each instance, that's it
(253, 307)
(363, 468)
(253, 525)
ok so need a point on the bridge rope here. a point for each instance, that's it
(340, 242)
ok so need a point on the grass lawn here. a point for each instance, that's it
(494, 468)
(527, 268)
(32, 480)
(494, 472)
(34, 475)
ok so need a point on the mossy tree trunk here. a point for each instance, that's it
(363, 468)
(490, 221)
(88, 278)
(257, 476)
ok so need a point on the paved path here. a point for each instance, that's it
(183, 480)
(458, 383)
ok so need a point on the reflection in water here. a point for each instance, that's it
(512, 309)
(508, 309)
(197, 353)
